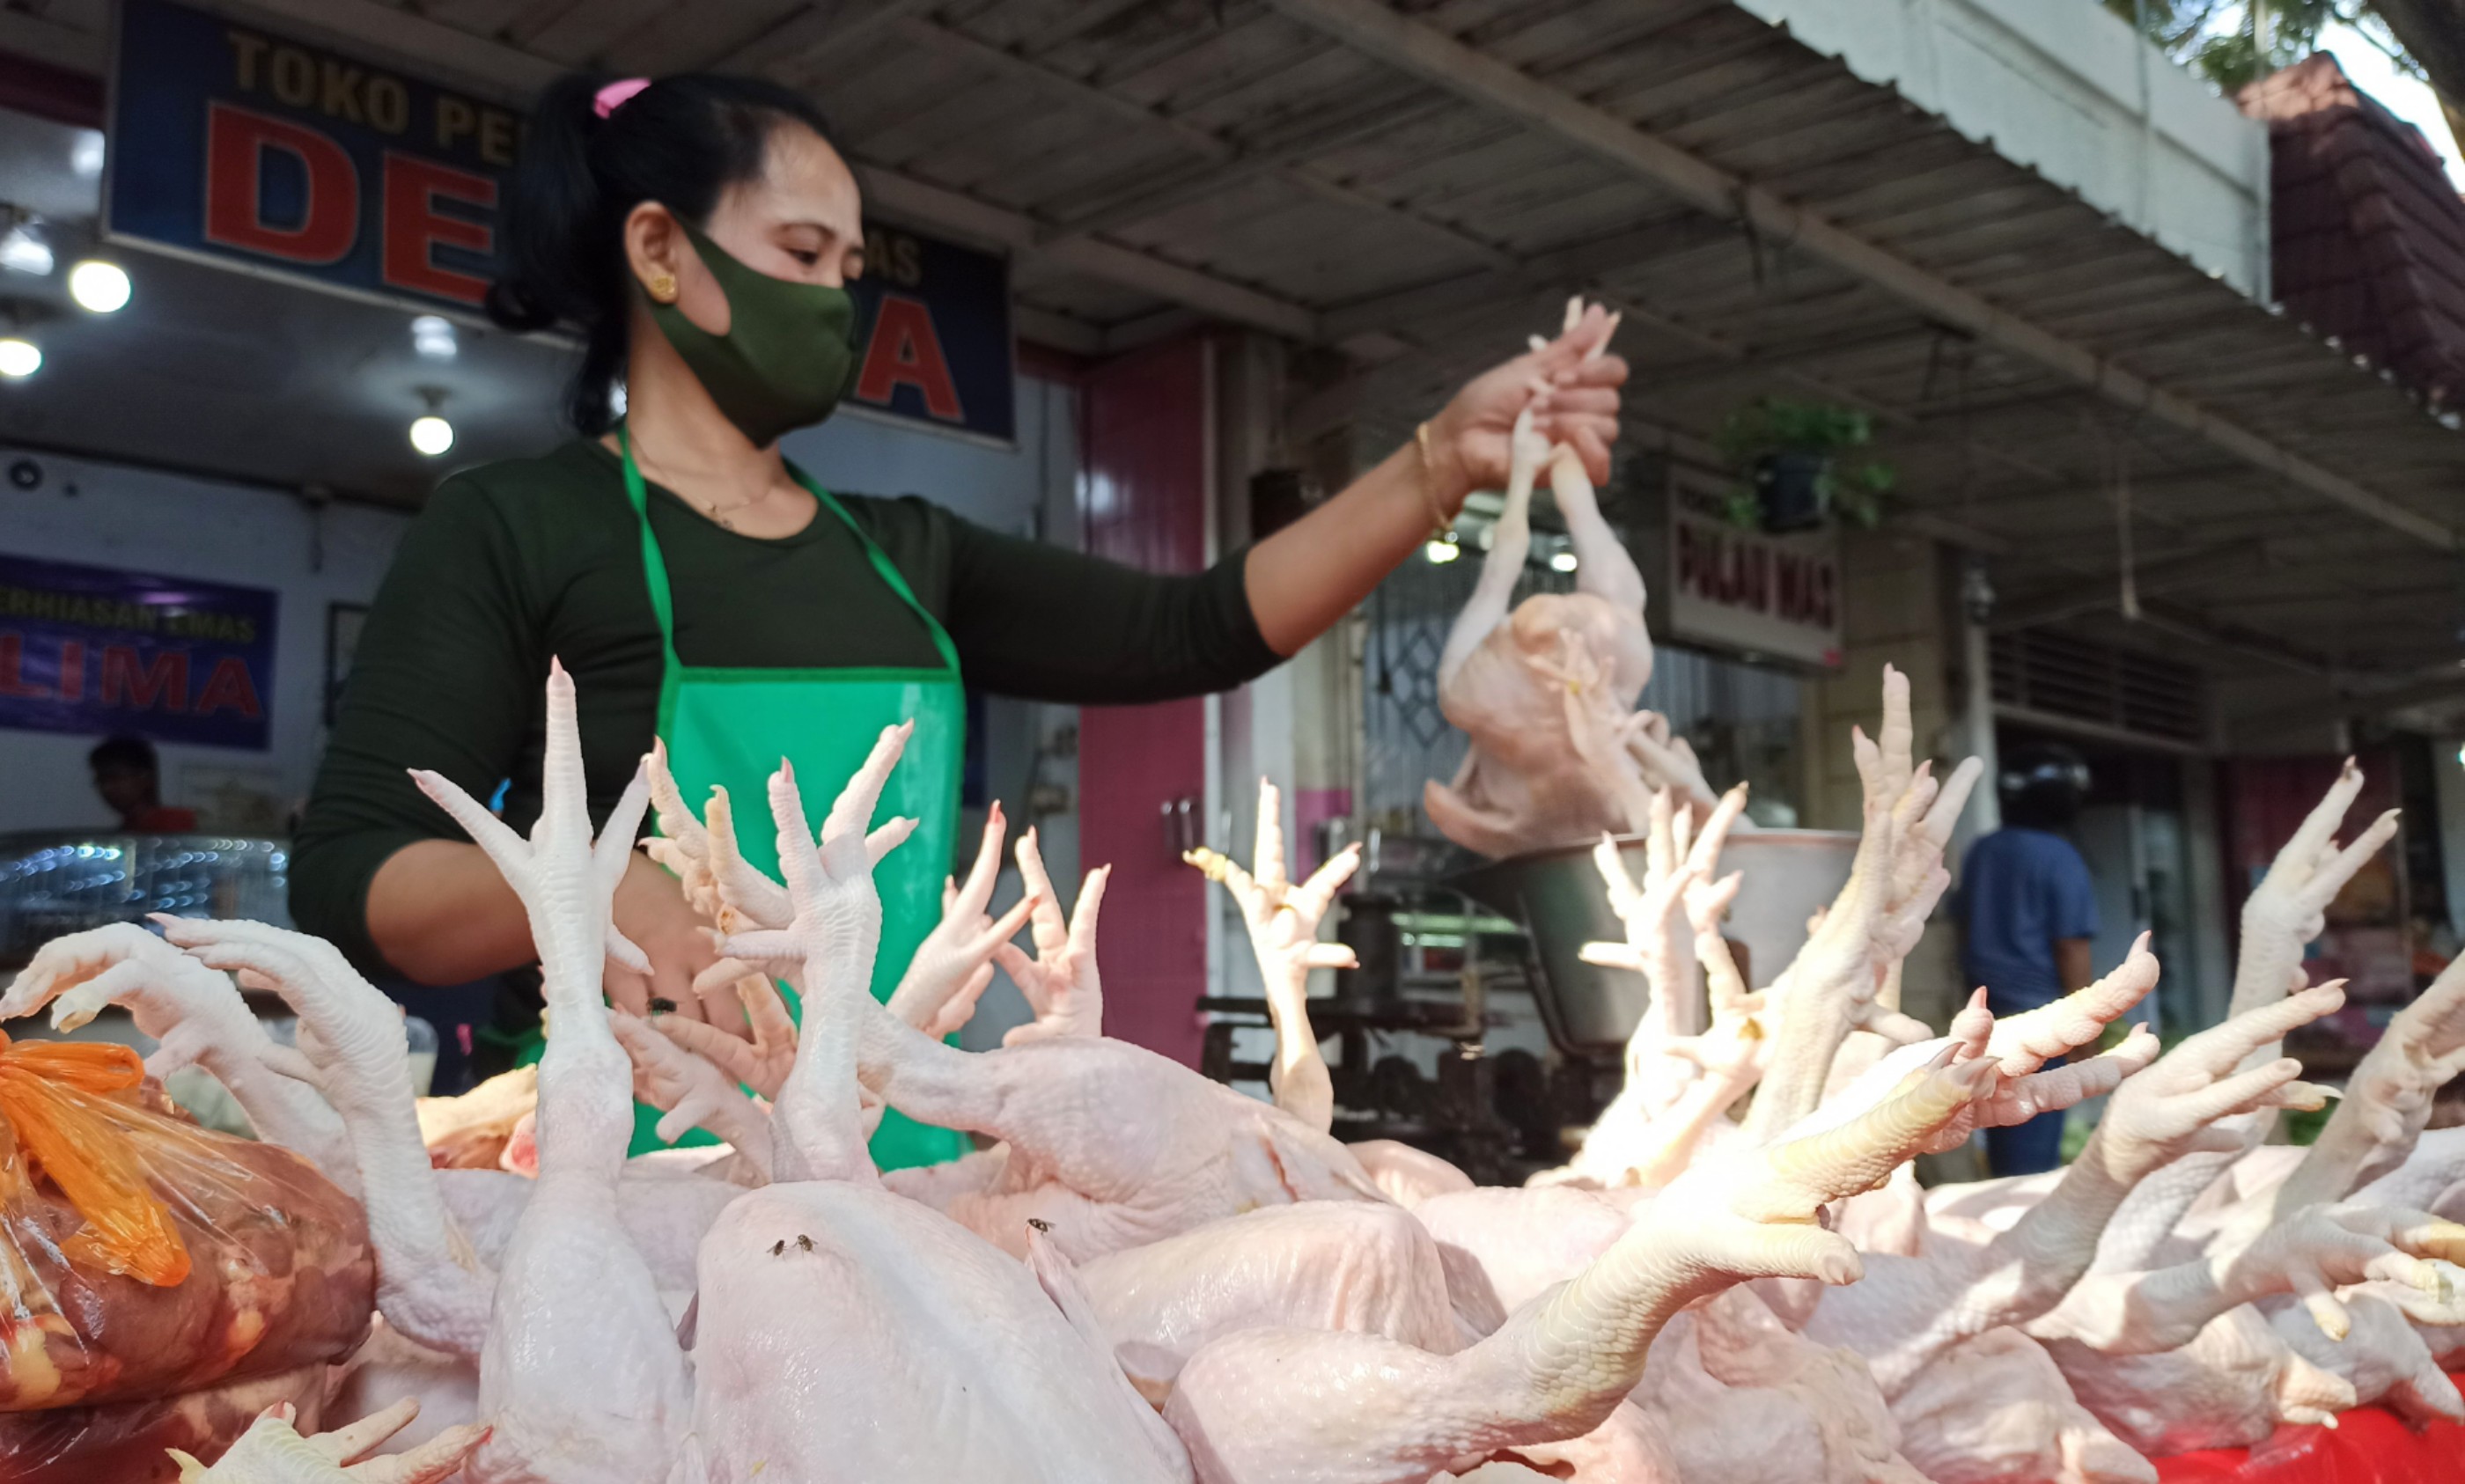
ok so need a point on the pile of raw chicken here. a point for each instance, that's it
(1142, 1275)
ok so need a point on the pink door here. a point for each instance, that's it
(1142, 769)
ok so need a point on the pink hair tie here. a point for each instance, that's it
(617, 95)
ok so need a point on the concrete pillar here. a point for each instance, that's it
(1894, 610)
(2448, 779)
(2211, 972)
(1300, 723)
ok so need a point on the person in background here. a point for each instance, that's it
(129, 779)
(2029, 911)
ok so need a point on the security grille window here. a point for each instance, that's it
(2061, 676)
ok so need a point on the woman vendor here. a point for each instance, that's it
(699, 231)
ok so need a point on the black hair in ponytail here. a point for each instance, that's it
(681, 141)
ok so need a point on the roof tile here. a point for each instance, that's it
(2370, 236)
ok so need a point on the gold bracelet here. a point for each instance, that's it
(1441, 528)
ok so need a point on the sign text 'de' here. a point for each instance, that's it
(243, 147)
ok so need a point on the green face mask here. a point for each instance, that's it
(787, 357)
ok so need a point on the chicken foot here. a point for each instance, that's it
(580, 1376)
(2310, 1254)
(1282, 917)
(199, 1019)
(2388, 1098)
(430, 1286)
(271, 1452)
(1912, 1310)
(2283, 914)
(1898, 876)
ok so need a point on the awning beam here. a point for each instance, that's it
(513, 74)
(1424, 51)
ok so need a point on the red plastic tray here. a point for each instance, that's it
(2369, 1444)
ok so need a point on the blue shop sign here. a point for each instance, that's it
(95, 650)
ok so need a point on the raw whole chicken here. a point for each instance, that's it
(1548, 692)
(581, 1375)
(1345, 1336)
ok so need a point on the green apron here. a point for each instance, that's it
(730, 727)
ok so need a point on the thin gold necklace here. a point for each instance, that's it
(717, 515)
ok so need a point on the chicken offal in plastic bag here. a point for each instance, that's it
(142, 1255)
(130, 1442)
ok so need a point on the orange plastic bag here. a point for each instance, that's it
(54, 1096)
(142, 1255)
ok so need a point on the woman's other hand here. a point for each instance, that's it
(652, 912)
(1572, 390)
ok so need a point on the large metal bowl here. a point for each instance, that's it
(1558, 897)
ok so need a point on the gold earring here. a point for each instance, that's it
(664, 288)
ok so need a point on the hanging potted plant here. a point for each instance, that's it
(1789, 456)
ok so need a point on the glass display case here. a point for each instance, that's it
(53, 883)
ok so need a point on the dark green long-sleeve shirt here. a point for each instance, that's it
(518, 562)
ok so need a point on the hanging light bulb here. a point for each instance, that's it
(19, 357)
(430, 432)
(1563, 562)
(1441, 552)
(99, 286)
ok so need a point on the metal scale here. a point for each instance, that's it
(1432, 960)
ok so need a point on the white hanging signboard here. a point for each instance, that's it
(1773, 596)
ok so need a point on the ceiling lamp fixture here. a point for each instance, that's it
(1563, 562)
(99, 286)
(431, 338)
(19, 357)
(23, 250)
(430, 432)
(1441, 552)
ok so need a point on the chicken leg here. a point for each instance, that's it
(1315, 1407)
(430, 1285)
(1283, 920)
(580, 1375)
(198, 1019)
(1910, 1310)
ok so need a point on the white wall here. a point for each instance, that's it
(2064, 86)
(1005, 488)
(192, 527)
(181, 526)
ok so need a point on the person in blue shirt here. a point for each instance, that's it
(2029, 911)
